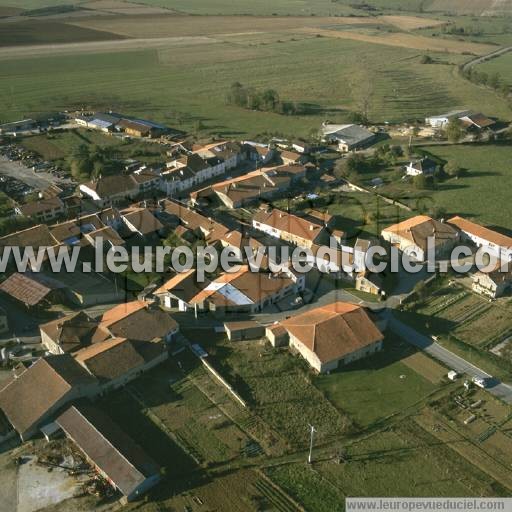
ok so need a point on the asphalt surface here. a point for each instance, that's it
(17, 170)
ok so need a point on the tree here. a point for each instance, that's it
(426, 59)
(452, 169)
(454, 131)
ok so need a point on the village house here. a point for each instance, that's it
(332, 336)
(109, 190)
(117, 361)
(424, 166)
(411, 236)
(112, 453)
(70, 333)
(262, 154)
(302, 231)
(496, 243)
(494, 283)
(141, 221)
(348, 137)
(140, 321)
(31, 399)
(178, 291)
(42, 210)
(245, 291)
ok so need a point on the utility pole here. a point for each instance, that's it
(313, 430)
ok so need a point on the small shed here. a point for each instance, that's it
(277, 335)
(452, 375)
(245, 330)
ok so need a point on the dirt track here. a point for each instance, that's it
(16, 52)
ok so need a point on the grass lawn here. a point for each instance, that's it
(277, 387)
(377, 387)
(181, 88)
(403, 461)
(57, 145)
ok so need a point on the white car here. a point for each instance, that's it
(478, 381)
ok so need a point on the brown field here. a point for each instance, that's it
(409, 41)
(44, 32)
(425, 366)
(120, 7)
(411, 22)
(167, 26)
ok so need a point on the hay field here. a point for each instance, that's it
(411, 22)
(410, 41)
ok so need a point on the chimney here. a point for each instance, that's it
(311, 227)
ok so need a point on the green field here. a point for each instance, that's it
(486, 189)
(501, 65)
(184, 87)
(377, 387)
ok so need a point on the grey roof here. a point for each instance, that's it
(349, 134)
(108, 447)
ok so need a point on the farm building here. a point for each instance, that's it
(115, 455)
(348, 137)
(35, 289)
(441, 120)
(332, 336)
(243, 330)
(31, 399)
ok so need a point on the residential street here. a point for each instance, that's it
(453, 361)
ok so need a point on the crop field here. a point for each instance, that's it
(39, 32)
(377, 387)
(403, 461)
(187, 86)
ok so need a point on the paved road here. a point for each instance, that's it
(453, 361)
(483, 58)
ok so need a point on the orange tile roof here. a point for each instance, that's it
(482, 232)
(121, 311)
(306, 228)
(333, 331)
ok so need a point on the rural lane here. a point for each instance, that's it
(484, 58)
(453, 361)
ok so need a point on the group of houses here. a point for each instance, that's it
(412, 236)
(88, 358)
